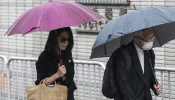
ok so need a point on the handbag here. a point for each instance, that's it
(42, 92)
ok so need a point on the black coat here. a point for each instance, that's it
(134, 85)
(47, 65)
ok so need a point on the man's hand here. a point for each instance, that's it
(158, 89)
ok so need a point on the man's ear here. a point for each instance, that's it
(136, 40)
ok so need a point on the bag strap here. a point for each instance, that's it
(43, 81)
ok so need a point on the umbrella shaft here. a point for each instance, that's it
(61, 63)
(153, 72)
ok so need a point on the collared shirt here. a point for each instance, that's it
(140, 55)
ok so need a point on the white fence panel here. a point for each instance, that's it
(3, 79)
(88, 78)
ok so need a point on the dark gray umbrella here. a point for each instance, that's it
(121, 29)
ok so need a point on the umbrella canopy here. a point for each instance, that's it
(52, 15)
(121, 29)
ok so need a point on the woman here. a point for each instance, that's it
(58, 47)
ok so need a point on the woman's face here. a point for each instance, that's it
(63, 40)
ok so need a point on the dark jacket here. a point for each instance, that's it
(47, 65)
(134, 85)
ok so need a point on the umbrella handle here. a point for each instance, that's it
(153, 73)
(61, 62)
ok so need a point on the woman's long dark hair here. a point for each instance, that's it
(52, 42)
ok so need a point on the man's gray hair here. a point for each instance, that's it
(144, 31)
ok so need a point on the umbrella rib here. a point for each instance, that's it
(75, 12)
(21, 25)
(113, 30)
(66, 10)
(85, 12)
(162, 13)
(11, 28)
(38, 23)
(58, 15)
(27, 21)
(157, 37)
(144, 18)
(152, 27)
(47, 13)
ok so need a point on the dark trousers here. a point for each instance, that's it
(70, 95)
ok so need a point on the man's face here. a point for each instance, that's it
(145, 38)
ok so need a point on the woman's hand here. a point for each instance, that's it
(61, 70)
(60, 73)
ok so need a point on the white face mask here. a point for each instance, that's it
(147, 45)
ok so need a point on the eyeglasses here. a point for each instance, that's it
(64, 39)
(151, 39)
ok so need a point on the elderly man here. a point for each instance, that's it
(135, 83)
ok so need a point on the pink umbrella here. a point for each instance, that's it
(52, 15)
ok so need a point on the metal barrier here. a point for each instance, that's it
(3, 79)
(165, 76)
(88, 78)
(23, 74)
